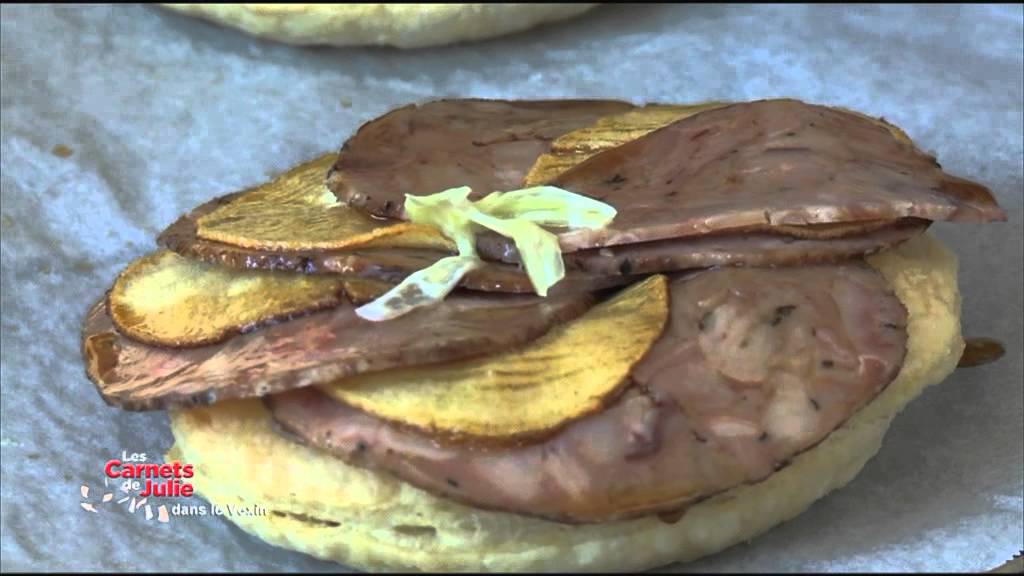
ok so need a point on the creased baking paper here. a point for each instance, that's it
(116, 119)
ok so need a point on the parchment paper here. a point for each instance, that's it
(117, 119)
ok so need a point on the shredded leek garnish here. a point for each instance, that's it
(548, 206)
(420, 288)
(538, 248)
(518, 215)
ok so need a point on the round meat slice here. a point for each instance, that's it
(488, 145)
(754, 367)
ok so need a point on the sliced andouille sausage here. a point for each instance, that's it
(770, 163)
(767, 163)
(755, 366)
(313, 349)
(421, 149)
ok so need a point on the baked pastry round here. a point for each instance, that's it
(399, 25)
(321, 506)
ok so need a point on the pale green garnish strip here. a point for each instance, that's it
(548, 206)
(420, 288)
(445, 211)
(518, 215)
(538, 248)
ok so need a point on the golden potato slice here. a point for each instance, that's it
(607, 133)
(168, 300)
(571, 371)
(295, 211)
